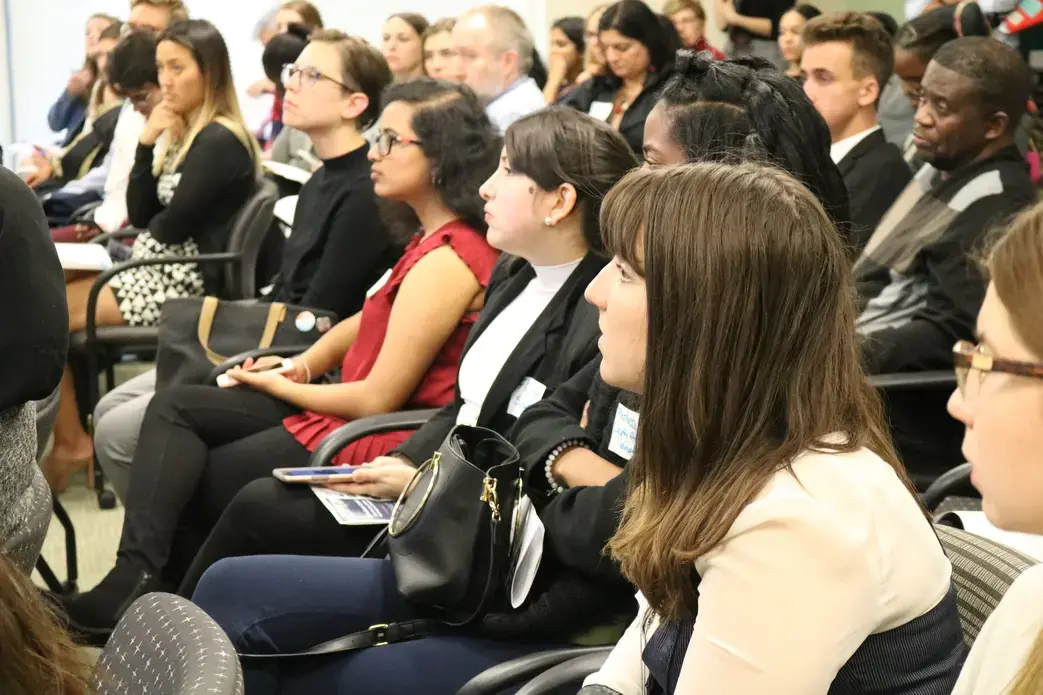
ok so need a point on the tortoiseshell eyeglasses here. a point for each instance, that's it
(968, 357)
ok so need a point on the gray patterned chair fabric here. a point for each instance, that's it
(165, 645)
(24, 544)
(982, 571)
(46, 415)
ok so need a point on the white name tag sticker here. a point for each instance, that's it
(600, 110)
(378, 284)
(530, 391)
(624, 432)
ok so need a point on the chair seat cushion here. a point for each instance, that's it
(117, 336)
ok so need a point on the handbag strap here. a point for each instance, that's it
(276, 314)
(375, 636)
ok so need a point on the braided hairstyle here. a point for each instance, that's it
(745, 110)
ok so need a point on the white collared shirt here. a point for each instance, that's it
(840, 149)
(520, 99)
(112, 213)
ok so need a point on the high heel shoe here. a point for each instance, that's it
(92, 616)
(59, 469)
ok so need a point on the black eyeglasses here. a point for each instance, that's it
(309, 77)
(385, 140)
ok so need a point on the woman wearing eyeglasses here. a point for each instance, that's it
(401, 352)
(1000, 401)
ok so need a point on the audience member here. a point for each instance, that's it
(791, 37)
(754, 31)
(441, 59)
(846, 62)
(400, 352)
(726, 505)
(894, 111)
(534, 334)
(38, 657)
(572, 161)
(282, 50)
(338, 246)
(689, 20)
(298, 12)
(156, 15)
(68, 113)
(918, 291)
(186, 197)
(567, 48)
(402, 46)
(495, 55)
(593, 57)
(639, 57)
(998, 402)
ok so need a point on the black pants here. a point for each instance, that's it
(199, 446)
(268, 517)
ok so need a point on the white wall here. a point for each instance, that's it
(47, 41)
(5, 82)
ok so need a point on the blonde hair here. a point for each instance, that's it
(176, 8)
(1015, 267)
(673, 7)
(220, 103)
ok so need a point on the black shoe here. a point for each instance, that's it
(92, 616)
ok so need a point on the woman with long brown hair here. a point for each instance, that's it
(1000, 401)
(773, 535)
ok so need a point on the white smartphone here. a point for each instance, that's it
(329, 474)
(225, 381)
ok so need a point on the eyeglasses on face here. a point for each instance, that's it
(386, 140)
(968, 358)
(309, 77)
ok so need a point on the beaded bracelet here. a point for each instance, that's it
(560, 449)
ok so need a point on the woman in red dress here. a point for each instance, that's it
(200, 444)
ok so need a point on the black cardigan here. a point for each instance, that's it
(217, 176)
(557, 345)
(34, 317)
(603, 89)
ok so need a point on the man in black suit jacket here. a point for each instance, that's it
(847, 60)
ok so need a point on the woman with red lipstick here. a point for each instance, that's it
(401, 352)
(1000, 401)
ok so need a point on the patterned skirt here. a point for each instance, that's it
(141, 291)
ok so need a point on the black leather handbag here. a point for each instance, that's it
(450, 539)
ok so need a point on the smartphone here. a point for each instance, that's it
(225, 381)
(329, 474)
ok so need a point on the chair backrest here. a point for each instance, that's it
(247, 238)
(982, 571)
(23, 546)
(165, 645)
(46, 415)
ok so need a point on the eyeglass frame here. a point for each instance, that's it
(291, 70)
(966, 357)
(392, 139)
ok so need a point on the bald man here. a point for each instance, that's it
(496, 52)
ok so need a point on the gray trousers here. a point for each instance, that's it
(117, 423)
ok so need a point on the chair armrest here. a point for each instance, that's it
(103, 278)
(279, 351)
(946, 484)
(500, 677)
(914, 381)
(339, 438)
(569, 673)
(84, 213)
(125, 233)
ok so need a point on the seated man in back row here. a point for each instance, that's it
(848, 61)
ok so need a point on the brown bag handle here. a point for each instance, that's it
(276, 314)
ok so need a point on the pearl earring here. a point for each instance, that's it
(548, 222)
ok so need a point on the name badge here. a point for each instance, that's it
(624, 432)
(530, 391)
(378, 284)
(600, 110)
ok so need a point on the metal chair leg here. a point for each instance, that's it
(71, 564)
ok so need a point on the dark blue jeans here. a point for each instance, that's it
(288, 603)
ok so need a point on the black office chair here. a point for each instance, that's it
(96, 346)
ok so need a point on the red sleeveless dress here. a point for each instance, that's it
(436, 388)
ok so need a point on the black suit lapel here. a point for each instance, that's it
(533, 346)
(511, 288)
(865, 147)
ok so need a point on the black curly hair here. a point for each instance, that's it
(746, 109)
(457, 138)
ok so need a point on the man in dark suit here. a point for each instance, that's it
(848, 60)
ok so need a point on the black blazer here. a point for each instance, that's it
(603, 89)
(562, 339)
(875, 173)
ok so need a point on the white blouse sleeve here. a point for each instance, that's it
(783, 604)
(623, 671)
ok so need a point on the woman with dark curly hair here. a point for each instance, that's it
(199, 444)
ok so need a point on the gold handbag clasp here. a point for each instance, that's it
(489, 496)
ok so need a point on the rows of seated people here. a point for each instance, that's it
(485, 229)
